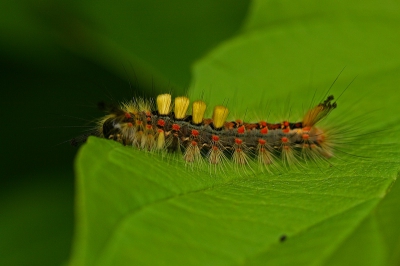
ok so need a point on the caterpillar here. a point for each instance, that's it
(214, 140)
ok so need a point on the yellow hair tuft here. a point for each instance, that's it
(199, 108)
(181, 106)
(164, 103)
(219, 116)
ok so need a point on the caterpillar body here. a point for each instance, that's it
(215, 140)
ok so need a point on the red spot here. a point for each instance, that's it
(160, 130)
(285, 123)
(306, 129)
(215, 148)
(148, 119)
(138, 122)
(263, 124)
(262, 141)
(215, 138)
(128, 115)
(161, 123)
(305, 136)
(284, 139)
(195, 133)
(286, 130)
(148, 113)
(241, 130)
(264, 130)
(175, 127)
(194, 143)
(149, 127)
(238, 141)
(286, 147)
(130, 125)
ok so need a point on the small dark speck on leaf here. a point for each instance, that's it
(282, 238)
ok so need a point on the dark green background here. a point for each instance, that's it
(57, 61)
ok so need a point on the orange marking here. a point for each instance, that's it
(161, 123)
(238, 141)
(249, 127)
(195, 133)
(275, 126)
(207, 121)
(215, 138)
(229, 125)
(176, 127)
(241, 130)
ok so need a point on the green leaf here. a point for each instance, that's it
(133, 205)
(136, 208)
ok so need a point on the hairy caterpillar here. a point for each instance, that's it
(215, 140)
